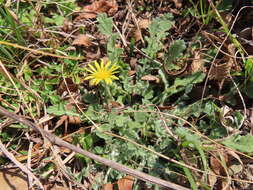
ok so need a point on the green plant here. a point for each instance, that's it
(133, 113)
(202, 10)
(158, 31)
(105, 26)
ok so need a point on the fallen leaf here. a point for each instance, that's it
(197, 63)
(221, 71)
(150, 78)
(114, 104)
(144, 23)
(126, 183)
(67, 26)
(178, 3)
(101, 6)
(216, 163)
(131, 73)
(133, 63)
(108, 186)
(137, 35)
(94, 55)
(74, 120)
(82, 40)
(60, 188)
(66, 85)
(212, 179)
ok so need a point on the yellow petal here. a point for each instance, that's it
(92, 68)
(97, 81)
(88, 70)
(108, 81)
(114, 77)
(107, 65)
(97, 66)
(114, 67)
(113, 72)
(89, 77)
(102, 64)
(92, 82)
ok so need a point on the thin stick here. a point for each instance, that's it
(39, 52)
(29, 164)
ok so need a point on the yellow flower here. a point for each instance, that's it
(102, 72)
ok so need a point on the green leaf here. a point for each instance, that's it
(140, 116)
(102, 128)
(241, 143)
(86, 141)
(105, 24)
(120, 120)
(113, 52)
(133, 125)
(191, 79)
(91, 98)
(160, 25)
(180, 84)
(225, 5)
(157, 30)
(188, 136)
(190, 178)
(175, 51)
(59, 110)
(59, 20)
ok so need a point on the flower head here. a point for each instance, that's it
(101, 72)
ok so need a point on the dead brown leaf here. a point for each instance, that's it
(212, 179)
(216, 161)
(67, 26)
(197, 63)
(93, 55)
(178, 3)
(137, 35)
(101, 6)
(60, 188)
(66, 85)
(144, 23)
(126, 183)
(82, 40)
(133, 63)
(108, 186)
(131, 73)
(150, 78)
(114, 104)
(74, 120)
(221, 71)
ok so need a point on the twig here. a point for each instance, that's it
(243, 103)
(163, 120)
(57, 141)
(29, 164)
(220, 47)
(39, 52)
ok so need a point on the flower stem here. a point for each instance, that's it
(108, 93)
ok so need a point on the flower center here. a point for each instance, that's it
(102, 75)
